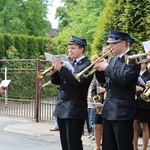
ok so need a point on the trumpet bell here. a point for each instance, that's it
(97, 99)
(146, 95)
(49, 69)
(90, 70)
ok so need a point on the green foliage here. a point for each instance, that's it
(103, 27)
(32, 45)
(26, 17)
(21, 45)
(129, 16)
(135, 21)
(2, 47)
(26, 47)
(8, 41)
(12, 53)
(78, 19)
(23, 77)
(49, 90)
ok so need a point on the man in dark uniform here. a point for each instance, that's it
(71, 106)
(143, 107)
(119, 106)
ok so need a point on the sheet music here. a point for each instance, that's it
(146, 46)
(51, 57)
(5, 83)
(69, 66)
(141, 81)
(62, 58)
(96, 104)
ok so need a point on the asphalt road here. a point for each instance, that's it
(18, 134)
(26, 134)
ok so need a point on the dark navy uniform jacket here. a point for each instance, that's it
(141, 104)
(72, 97)
(121, 81)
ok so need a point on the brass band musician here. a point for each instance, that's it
(142, 108)
(119, 106)
(71, 106)
(98, 92)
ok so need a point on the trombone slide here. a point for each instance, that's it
(136, 57)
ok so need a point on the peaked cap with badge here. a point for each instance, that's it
(79, 41)
(117, 36)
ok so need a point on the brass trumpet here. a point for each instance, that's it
(136, 57)
(41, 74)
(146, 95)
(51, 68)
(90, 70)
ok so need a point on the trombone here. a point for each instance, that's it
(136, 57)
(90, 70)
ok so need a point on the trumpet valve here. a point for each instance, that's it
(96, 98)
(39, 74)
(146, 95)
(127, 58)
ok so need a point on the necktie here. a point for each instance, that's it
(117, 62)
(74, 62)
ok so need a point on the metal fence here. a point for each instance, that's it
(34, 106)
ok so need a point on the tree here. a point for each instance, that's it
(129, 16)
(136, 21)
(103, 27)
(24, 17)
(79, 17)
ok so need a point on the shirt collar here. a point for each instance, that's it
(78, 59)
(121, 55)
(141, 72)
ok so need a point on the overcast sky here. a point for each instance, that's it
(52, 11)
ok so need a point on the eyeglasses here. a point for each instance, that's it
(115, 43)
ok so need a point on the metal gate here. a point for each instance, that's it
(34, 106)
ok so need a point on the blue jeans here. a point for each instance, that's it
(91, 112)
(55, 123)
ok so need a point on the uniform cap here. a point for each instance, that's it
(79, 41)
(116, 36)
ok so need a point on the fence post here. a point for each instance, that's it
(6, 91)
(38, 85)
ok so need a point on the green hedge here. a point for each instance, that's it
(16, 47)
(27, 46)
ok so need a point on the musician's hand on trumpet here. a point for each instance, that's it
(147, 85)
(57, 65)
(101, 65)
(139, 88)
(148, 55)
(101, 89)
(94, 58)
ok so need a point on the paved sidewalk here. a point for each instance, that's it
(41, 130)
